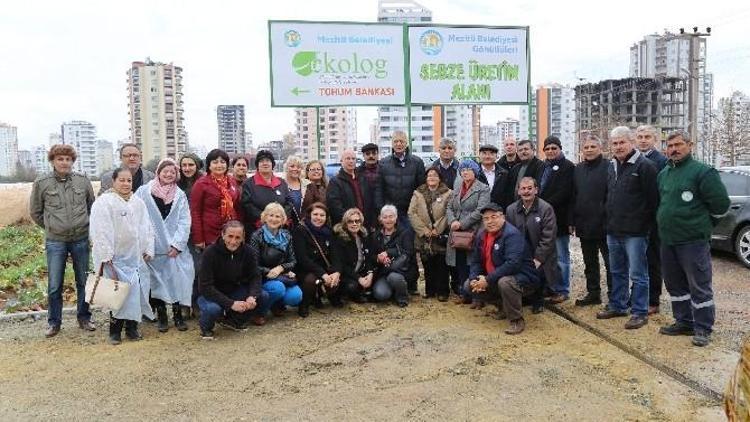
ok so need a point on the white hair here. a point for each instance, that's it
(622, 132)
(389, 209)
(648, 128)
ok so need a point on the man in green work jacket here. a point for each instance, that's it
(691, 193)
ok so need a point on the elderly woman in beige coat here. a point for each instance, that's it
(427, 214)
(469, 196)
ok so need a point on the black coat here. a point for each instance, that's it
(632, 196)
(345, 255)
(507, 165)
(309, 259)
(268, 256)
(534, 168)
(588, 214)
(221, 272)
(396, 184)
(558, 192)
(255, 197)
(657, 158)
(340, 197)
(502, 190)
(400, 248)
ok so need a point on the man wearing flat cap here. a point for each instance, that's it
(556, 187)
(494, 176)
(501, 268)
(368, 170)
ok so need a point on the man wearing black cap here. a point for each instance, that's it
(494, 176)
(369, 172)
(556, 187)
(501, 267)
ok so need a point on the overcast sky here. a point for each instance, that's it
(66, 60)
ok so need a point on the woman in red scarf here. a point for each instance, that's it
(214, 200)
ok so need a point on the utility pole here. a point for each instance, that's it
(694, 79)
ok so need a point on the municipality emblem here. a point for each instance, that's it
(431, 42)
(292, 38)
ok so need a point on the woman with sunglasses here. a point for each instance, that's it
(353, 257)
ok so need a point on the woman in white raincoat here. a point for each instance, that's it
(171, 270)
(123, 239)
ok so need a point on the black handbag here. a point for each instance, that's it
(442, 238)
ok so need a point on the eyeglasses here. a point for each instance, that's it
(131, 155)
(314, 169)
(354, 221)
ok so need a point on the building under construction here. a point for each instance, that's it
(660, 102)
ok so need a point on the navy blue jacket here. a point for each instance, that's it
(510, 256)
(656, 157)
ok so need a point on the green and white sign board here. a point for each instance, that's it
(329, 63)
(469, 65)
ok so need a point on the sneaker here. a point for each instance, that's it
(207, 334)
(608, 313)
(516, 327)
(636, 322)
(701, 338)
(442, 298)
(52, 331)
(677, 329)
(557, 298)
(403, 304)
(589, 299)
(231, 325)
(653, 309)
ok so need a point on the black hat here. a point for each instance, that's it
(264, 155)
(491, 207)
(488, 147)
(369, 147)
(552, 139)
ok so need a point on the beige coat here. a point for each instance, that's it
(420, 218)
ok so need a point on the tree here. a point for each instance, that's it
(730, 139)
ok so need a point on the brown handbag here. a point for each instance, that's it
(462, 240)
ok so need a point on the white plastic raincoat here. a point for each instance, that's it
(121, 232)
(171, 278)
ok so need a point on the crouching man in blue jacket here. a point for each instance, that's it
(501, 267)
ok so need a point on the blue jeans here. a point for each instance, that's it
(562, 285)
(279, 294)
(627, 261)
(57, 255)
(212, 311)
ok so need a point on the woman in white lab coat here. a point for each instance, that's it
(171, 270)
(123, 240)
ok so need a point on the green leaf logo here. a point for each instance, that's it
(303, 62)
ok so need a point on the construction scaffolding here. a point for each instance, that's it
(660, 102)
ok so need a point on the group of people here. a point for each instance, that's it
(239, 247)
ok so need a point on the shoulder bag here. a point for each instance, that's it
(107, 292)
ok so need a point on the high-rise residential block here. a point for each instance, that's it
(509, 128)
(8, 149)
(82, 136)
(338, 131)
(668, 56)
(41, 163)
(156, 109)
(553, 112)
(231, 123)
(105, 155)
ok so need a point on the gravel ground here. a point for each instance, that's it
(429, 361)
